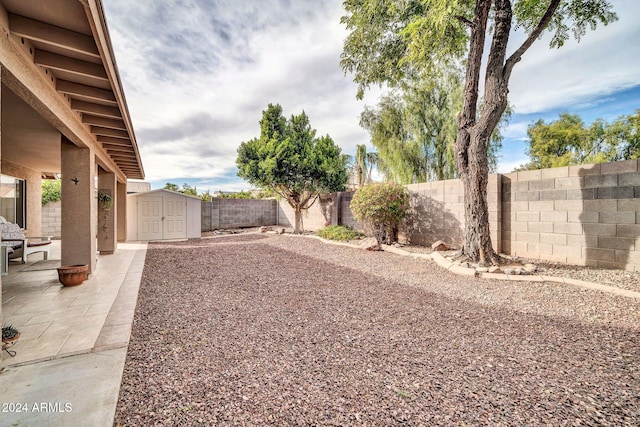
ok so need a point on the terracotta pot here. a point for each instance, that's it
(8, 340)
(72, 275)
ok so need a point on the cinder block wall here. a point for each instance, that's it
(438, 212)
(232, 213)
(583, 215)
(52, 219)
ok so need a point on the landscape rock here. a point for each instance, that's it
(440, 246)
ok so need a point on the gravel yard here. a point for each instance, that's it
(276, 330)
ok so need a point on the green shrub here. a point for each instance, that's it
(381, 207)
(51, 191)
(338, 232)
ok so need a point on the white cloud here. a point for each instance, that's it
(198, 73)
(600, 64)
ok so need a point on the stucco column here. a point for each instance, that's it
(121, 211)
(107, 217)
(79, 205)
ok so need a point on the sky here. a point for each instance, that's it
(197, 75)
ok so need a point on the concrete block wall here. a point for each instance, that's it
(437, 212)
(52, 219)
(583, 215)
(234, 213)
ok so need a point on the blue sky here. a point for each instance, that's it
(198, 73)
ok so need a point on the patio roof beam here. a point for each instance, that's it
(115, 133)
(52, 35)
(70, 65)
(130, 161)
(103, 121)
(114, 141)
(96, 109)
(117, 149)
(124, 162)
(88, 93)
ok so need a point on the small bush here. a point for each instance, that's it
(338, 232)
(51, 191)
(381, 207)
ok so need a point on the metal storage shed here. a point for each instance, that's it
(163, 215)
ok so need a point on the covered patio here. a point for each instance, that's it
(63, 114)
(56, 321)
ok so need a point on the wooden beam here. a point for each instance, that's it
(114, 141)
(71, 65)
(103, 122)
(86, 92)
(128, 162)
(119, 150)
(96, 109)
(115, 133)
(52, 35)
(126, 158)
(122, 161)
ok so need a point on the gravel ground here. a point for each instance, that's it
(607, 276)
(289, 331)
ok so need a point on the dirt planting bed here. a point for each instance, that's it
(288, 331)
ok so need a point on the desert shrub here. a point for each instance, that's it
(338, 232)
(381, 207)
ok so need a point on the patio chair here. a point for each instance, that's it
(21, 246)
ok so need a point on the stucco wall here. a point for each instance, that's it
(34, 194)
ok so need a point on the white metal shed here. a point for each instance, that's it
(163, 215)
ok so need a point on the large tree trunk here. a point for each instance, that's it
(474, 132)
(477, 239)
(471, 149)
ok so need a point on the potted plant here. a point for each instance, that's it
(10, 334)
(9, 337)
(105, 199)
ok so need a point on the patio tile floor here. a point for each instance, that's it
(55, 321)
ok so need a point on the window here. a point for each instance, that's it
(13, 200)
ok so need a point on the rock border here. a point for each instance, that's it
(460, 270)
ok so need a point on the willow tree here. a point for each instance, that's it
(413, 129)
(390, 39)
(291, 161)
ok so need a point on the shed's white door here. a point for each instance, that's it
(175, 218)
(150, 218)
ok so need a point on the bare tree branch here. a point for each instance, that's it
(544, 22)
(465, 21)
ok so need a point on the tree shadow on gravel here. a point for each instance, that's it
(240, 335)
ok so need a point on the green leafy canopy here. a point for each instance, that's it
(390, 39)
(289, 159)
